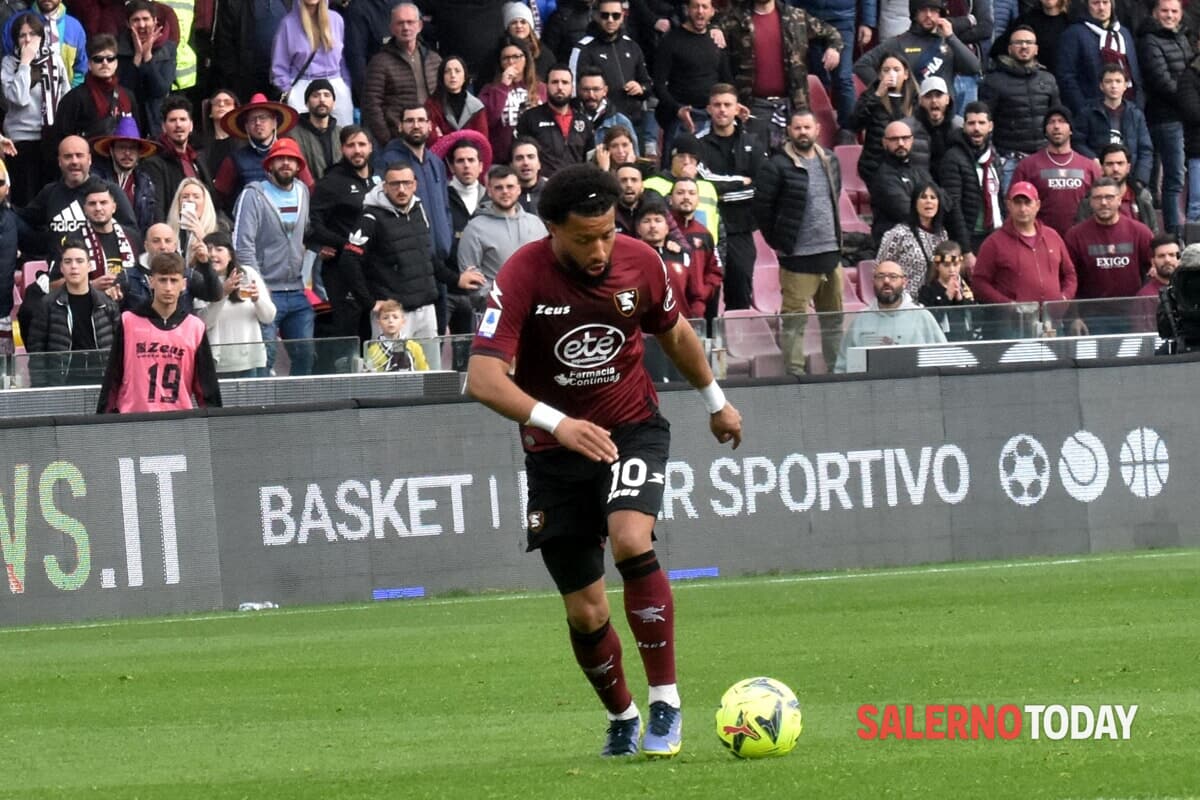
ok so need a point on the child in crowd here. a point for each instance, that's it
(945, 289)
(390, 353)
(160, 360)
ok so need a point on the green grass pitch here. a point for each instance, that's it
(478, 697)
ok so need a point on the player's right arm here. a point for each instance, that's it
(488, 382)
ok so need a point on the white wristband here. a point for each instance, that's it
(713, 397)
(545, 417)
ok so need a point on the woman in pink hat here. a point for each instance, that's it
(308, 45)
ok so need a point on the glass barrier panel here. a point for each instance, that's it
(660, 367)
(51, 370)
(292, 357)
(440, 353)
(762, 345)
(1098, 317)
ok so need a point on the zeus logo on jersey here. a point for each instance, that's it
(552, 311)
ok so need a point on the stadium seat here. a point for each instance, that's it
(751, 347)
(866, 280)
(852, 184)
(818, 95)
(859, 87)
(31, 269)
(827, 118)
(768, 297)
(851, 222)
(851, 301)
(763, 254)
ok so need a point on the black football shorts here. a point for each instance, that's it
(570, 498)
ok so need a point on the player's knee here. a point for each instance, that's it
(588, 614)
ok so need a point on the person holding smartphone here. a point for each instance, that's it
(193, 215)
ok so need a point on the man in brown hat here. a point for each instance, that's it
(268, 235)
(119, 161)
(260, 123)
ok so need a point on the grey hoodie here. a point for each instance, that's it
(491, 237)
(877, 327)
(261, 241)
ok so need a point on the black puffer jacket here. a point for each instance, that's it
(781, 194)
(1019, 97)
(956, 175)
(891, 192)
(872, 116)
(1163, 56)
(1188, 104)
(51, 329)
(390, 255)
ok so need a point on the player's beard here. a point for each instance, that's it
(576, 271)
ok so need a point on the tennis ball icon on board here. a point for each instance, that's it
(1083, 466)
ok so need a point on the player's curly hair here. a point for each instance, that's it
(581, 189)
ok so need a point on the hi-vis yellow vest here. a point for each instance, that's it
(185, 56)
(706, 212)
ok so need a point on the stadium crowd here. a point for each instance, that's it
(363, 167)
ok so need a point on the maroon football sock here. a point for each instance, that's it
(599, 655)
(650, 610)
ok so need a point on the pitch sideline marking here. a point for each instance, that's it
(783, 579)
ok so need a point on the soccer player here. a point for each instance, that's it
(160, 359)
(570, 309)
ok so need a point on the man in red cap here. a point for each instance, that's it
(260, 122)
(268, 234)
(1025, 261)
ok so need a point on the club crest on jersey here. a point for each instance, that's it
(627, 301)
(537, 519)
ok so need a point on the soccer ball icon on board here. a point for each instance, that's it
(1024, 470)
(759, 717)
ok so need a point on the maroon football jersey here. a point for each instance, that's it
(578, 347)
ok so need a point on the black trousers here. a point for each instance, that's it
(740, 254)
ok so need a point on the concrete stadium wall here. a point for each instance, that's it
(122, 517)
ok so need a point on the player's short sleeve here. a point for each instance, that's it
(508, 303)
(664, 300)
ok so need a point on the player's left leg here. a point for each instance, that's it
(650, 611)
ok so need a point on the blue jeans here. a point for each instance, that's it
(1168, 145)
(1008, 168)
(966, 90)
(1193, 204)
(294, 319)
(841, 82)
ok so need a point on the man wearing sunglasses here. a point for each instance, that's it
(623, 64)
(94, 107)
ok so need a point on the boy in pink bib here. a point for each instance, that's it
(160, 360)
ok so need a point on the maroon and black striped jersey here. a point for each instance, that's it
(579, 347)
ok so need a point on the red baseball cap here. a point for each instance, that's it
(1024, 189)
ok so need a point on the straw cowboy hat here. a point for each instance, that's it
(234, 123)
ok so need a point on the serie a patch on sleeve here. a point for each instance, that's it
(491, 319)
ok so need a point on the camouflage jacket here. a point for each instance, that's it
(798, 29)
